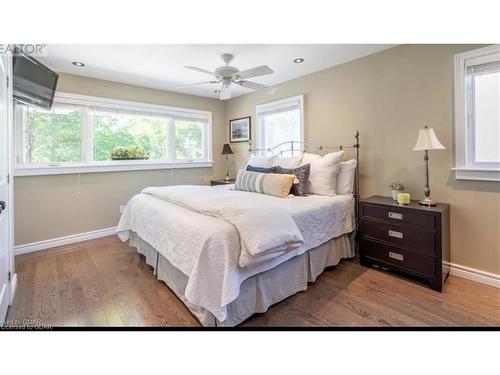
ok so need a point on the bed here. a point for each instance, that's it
(204, 242)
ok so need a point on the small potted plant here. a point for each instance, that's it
(397, 187)
(129, 153)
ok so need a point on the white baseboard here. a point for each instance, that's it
(66, 240)
(473, 274)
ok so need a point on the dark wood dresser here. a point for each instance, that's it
(412, 239)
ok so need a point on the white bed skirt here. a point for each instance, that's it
(260, 291)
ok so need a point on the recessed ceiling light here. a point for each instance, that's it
(298, 60)
(78, 64)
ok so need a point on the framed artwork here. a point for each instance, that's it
(239, 130)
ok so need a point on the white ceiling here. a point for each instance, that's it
(162, 66)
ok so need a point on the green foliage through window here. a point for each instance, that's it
(52, 136)
(57, 136)
(123, 130)
(188, 140)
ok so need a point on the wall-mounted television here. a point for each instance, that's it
(34, 84)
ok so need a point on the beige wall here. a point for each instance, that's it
(47, 207)
(388, 97)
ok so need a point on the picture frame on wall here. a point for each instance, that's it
(240, 130)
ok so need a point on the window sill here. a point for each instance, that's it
(477, 174)
(128, 165)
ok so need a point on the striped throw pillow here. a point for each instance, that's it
(265, 183)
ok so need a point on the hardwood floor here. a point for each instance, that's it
(104, 282)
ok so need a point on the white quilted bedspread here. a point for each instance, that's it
(207, 249)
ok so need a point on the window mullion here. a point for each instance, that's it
(170, 138)
(19, 133)
(87, 136)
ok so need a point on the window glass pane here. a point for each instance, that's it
(52, 136)
(487, 117)
(281, 127)
(128, 130)
(189, 143)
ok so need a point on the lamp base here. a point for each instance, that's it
(227, 178)
(427, 202)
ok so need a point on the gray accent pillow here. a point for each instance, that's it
(302, 173)
(251, 168)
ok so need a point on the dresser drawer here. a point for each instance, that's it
(399, 234)
(407, 260)
(399, 215)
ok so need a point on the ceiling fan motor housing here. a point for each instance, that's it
(226, 71)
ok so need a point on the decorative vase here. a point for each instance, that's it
(395, 194)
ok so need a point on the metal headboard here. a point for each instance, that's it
(297, 147)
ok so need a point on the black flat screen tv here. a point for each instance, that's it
(34, 84)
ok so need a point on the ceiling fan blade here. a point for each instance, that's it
(254, 72)
(225, 92)
(197, 83)
(257, 86)
(199, 70)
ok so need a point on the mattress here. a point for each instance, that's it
(205, 249)
(260, 291)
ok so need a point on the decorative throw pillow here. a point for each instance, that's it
(261, 161)
(252, 168)
(345, 177)
(265, 183)
(301, 182)
(288, 162)
(324, 171)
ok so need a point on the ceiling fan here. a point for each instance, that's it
(228, 75)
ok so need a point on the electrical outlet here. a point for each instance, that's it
(122, 208)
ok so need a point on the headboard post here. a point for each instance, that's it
(356, 186)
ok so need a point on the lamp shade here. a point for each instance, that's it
(427, 140)
(226, 149)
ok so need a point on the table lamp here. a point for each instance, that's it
(226, 150)
(426, 141)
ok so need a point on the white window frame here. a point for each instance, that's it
(465, 168)
(278, 104)
(88, 165)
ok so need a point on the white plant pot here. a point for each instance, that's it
(395, 195)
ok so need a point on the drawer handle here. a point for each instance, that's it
(393, 233)
(396, 256)
(396, 215)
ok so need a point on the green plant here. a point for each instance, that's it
(126, 153)
(398, 186)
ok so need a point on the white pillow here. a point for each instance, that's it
(345, 177)
(308, 158)
(261, 161)
(322, 180)
(288, 162)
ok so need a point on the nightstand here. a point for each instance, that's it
(221, 182)
(412, 239)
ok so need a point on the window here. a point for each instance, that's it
(80, 133)
(114, 129)
(477, 114)
(52, 136)
(279, 122)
